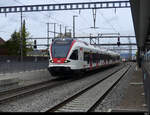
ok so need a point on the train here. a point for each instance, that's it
(67, 55)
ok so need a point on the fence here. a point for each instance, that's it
(11, 64)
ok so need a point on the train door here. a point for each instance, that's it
(81, 54)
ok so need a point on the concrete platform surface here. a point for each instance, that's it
(134, 100)
(20, 79)
(8, 80)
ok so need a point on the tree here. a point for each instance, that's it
(13, 44)
(25, 34)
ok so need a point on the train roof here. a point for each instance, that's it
(62, 39)
(102, 50)
(88, 46)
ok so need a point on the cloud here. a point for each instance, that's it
(36, 21)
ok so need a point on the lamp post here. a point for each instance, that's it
(21, 40)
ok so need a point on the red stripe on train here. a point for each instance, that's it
(51, 50)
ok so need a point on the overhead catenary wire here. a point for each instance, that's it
(57, 20)
(108, 22)
(43, 14)
(62, 23)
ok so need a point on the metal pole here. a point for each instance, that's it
(60, 31)
(90, 38)
(98, 38)
(94, 16)
(47, 35)
(74, 25)
(65, 31)
(70, 32)
(54, 30)
(21, 44)
(130, 49)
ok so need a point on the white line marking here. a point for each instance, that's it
(136, 83)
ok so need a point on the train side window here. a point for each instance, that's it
(109, 57)
(101, 57)
(74, 55)
(87, 57)
(94, 57)
(97, 57)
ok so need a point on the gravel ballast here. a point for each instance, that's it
(46, 99)
(117, 93)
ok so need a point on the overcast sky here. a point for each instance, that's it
(107, 20)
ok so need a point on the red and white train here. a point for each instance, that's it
(75, 56)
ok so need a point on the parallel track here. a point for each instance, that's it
(13, 94)
(75, 105)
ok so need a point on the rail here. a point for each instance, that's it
(77, 102)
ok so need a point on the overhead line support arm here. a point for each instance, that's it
(65, 6)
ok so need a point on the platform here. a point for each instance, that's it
(134, 99)
(8, 80)
(21, 79)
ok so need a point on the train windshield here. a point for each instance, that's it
(60, 48)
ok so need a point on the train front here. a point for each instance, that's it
(59, 50)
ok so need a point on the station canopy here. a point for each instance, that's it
(141, 19)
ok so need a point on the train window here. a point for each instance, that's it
(94, 57)
(98, 57)
(105, 56)
(87, 57)
(101, 56)
(109, 57)
(60, 48)
(74, 55)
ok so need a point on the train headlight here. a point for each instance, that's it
(51, 61)
(66, 61)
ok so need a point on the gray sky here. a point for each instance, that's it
(106, 19)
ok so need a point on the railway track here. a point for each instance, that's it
(13, 94)
(87, 99)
